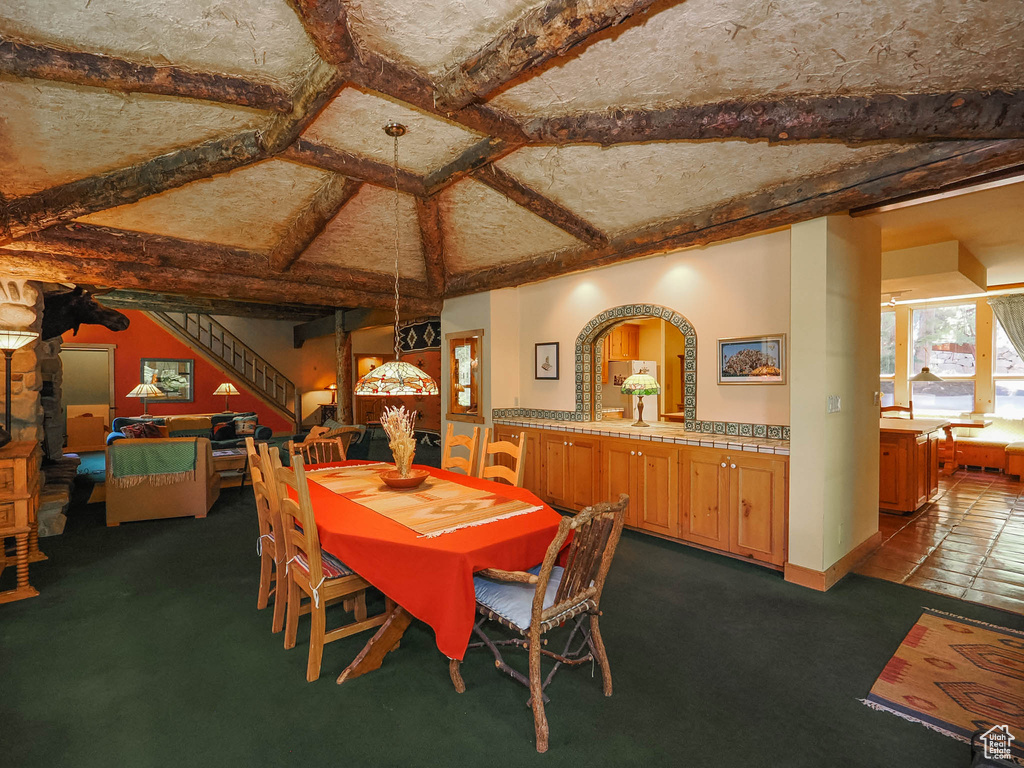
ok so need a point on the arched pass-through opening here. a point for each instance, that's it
(588, 358)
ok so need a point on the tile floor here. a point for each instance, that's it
(968, 542)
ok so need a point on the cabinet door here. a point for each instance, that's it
(656, 485)
(631, 342)
(892, 472)
(617, 458)
(757, 502)
(583, 457)
(555, 470)
(533, 460)
(704, 498)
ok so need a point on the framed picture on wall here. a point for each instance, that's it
(545, 364)
(752, 360)
(172, 376)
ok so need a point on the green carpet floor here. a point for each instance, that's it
(145, 648)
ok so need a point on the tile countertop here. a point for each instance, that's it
(660, 431)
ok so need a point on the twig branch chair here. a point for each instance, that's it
(512, 475)
(534, 602)
(311, 572)
(318, 450)
(270, 544)
(451, 440)
(898, 410)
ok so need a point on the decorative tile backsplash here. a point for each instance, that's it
(739, 429)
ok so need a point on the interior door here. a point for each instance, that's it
(86, 385)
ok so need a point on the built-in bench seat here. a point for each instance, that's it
(988, 448)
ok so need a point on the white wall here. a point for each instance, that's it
(739, 288)
(470, 313)
(834, 350)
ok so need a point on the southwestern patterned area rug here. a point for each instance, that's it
(957, 676)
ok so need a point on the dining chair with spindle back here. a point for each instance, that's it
(314, 573)
(451, 440)
(532, 603)
(270, 545)
(897, 410)
(319, 450)
(513, 474)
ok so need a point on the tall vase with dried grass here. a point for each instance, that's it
(400, 424)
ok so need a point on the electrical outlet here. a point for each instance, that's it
(833, 404)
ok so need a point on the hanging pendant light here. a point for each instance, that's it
(396, 377)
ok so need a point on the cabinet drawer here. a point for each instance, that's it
(7, 515)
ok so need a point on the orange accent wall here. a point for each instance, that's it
(144, 338)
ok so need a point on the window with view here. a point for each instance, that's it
(887, 369)
(945, 342)
(1009, 377)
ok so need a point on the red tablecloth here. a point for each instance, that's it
(432, 578)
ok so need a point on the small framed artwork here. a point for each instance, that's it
(172, 376)
(545, 364)
(752, 360)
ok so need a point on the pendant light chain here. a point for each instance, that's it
(397, 225)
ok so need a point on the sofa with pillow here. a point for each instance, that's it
(223, 430)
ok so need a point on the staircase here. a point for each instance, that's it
(231, 355)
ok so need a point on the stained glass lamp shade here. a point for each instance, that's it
(146, 391)
(396, 378)
(227, 389)
(640, 384)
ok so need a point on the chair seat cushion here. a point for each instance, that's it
(513, 601)
(981, 442)
(332, 566)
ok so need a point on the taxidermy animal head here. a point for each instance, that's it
(67, 311)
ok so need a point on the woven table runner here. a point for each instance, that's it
(433, 508)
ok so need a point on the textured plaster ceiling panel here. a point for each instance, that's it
(53, 133)
(250, 207)
(624, 187)
(706, 50)
(354, 121)
(263, 39)
(483, 228)
(430, 34)
(362, 235)
(987, 223)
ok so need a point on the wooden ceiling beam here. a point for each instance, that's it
(918, 168)
(376, 73)
(362, 168)
(127, 185)
(326, 23)
(193, 282)
(100, 71)
(851, 119)
(83, 241)
(428, 212)
(319, 85)
(480, 154)
(172, 302)
(537, 203)
(541, 33)
(313, 219)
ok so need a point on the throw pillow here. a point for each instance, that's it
(144, 429)
(245, 425)
(225, 431)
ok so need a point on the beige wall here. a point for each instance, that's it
(470, 313)
(836, 273)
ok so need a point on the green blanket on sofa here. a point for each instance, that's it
(160, 462)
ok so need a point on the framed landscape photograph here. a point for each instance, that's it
(545, 364)
(172, 376)
(752, 360)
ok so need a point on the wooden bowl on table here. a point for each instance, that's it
(393, 479)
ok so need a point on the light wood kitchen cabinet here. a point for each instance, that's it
(735, 502)
(624, 342)
(570, 469)
(649, 473)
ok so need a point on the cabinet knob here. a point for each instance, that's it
(639, 453)
(733, 466)
(723, 463)
(632, 453)
(564, 442)
(570, 444)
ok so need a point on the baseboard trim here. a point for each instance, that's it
(822, 581)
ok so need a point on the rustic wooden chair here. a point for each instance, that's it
(513, 475)
(270, 545)
(451, 440)
(318, 450)
(897, 410)
(314, 573)
(534, 602)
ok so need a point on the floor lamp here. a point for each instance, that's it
(10, 341)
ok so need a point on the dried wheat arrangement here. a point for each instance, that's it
(400, 426)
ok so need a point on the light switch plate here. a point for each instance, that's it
(833, 404)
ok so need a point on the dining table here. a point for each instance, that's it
(425, 577)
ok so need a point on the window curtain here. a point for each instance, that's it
(1009, 311)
